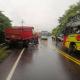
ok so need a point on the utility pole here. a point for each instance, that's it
(22, 22)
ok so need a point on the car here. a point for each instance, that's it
(44, 37)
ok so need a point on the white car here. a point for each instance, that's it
(44, 37)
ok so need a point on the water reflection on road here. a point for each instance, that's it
(42, 63)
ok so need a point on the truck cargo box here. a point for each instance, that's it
(19, 33)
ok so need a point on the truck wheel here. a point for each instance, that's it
(25, 43)
(10, 44)
(34, 42)
(72, 49)
(37, 42)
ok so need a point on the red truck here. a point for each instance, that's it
(22, 34)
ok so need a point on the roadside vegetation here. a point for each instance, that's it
(3, 53)
(71, 12)
(4, 23)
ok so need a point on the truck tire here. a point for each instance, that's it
(10, 44)
(25, 43)
(36, 41)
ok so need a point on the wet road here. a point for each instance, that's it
(7, 64)
(40, 62)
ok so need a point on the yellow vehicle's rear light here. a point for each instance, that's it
(65, 38)
(78, 37)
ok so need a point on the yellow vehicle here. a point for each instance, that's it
(71, 38)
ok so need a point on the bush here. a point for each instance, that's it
(3, 53)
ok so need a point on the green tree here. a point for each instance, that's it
(71, 12)
(4, 23)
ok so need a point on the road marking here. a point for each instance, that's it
(66, 55)
(14, 66)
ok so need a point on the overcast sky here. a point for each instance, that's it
(43, 14)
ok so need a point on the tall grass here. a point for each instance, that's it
(3, 53)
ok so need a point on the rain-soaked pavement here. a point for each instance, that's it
(6, 65)
(40, 62)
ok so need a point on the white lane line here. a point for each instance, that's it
(14, 66)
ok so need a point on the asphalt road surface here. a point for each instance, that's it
(40, 62)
